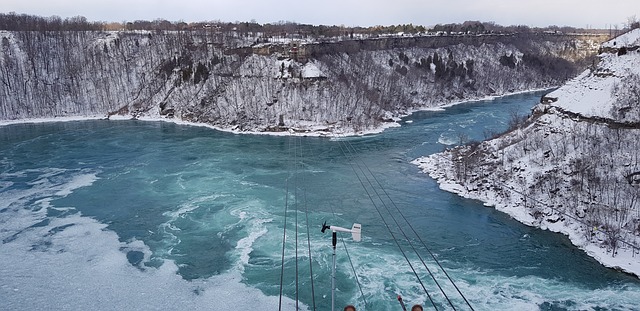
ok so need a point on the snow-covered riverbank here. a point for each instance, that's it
(300, 129)
(440, 168)
(191, 77)
(573, 167)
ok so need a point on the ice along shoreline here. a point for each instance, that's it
(310, 130)
(625, 260)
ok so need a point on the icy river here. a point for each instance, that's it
(133, 215)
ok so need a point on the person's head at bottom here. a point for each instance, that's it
(416, 308)
(349, 308)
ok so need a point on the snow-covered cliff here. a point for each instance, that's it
(200, 76)
(573, 166)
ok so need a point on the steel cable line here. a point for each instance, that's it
(355, 275)
(295, 198)
(419, 239)
(425, 246)
(344, 244)
(400, 227)
(306, 212)
(389, 228)
(295, 152)
(284, 234)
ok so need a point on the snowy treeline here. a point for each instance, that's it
(202, 76)
(573, 166)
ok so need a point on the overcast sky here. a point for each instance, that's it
(577, 13)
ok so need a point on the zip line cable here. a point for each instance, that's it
(344, 244)
(397, 243)
(294, 162)
(386, 224)
(389, 228)
(421, 241)
(416, 234)
(406, 237)
(295, 197)
(355, 275)
(284, 239)
(295, 151)
(306, 213)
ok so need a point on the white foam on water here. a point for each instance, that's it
(184, 209)
(76, 182)
(27, 204)
(170, 230)
(385, 274)
(76, 263)
(464, 123)
(531, 293)
(447, 139)
(82, 267)
(253, 217)
(245, 245)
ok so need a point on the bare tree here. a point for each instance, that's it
(632, 22)
(627, 106)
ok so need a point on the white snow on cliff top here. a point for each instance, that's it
(310, 70)
(590, 94)
(629, 39)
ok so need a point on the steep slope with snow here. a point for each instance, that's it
(347, 86)
(600, 91)
(573, 166)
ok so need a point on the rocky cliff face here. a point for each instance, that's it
(203, 77)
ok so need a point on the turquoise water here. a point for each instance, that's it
(152, 215)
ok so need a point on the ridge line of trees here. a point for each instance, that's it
(25, 22)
